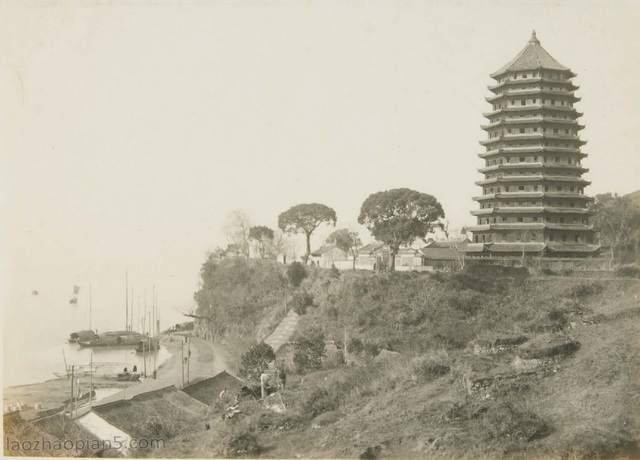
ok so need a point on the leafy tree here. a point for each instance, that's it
(256, 360)
(309, 351)
(305, 218)
(400, 216)
(296, 273)
(236, 228)
(346, 241)
(618, 220)
(263, 236)
(300, 301)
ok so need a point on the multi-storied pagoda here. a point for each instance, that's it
(533, 194)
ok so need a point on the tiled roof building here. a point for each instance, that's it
(533, 194)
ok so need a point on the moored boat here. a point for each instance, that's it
(85, 335)
(148, 344)
(113, 339)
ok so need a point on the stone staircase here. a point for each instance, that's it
(284, 332)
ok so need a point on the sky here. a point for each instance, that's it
(129, 131)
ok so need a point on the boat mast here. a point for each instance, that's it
(126, 293)
(90, 308)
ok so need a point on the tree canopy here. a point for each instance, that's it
(398, 217)
(346, 241)
(618, 220)
(305, 218)
(263, 236)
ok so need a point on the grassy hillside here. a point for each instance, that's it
(489, 363)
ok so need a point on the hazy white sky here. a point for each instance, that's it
(129, 131)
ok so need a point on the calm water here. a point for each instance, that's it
(36, 329)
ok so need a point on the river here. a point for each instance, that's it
(36, 329)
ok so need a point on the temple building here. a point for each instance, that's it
(533, 194)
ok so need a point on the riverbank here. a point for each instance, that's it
(52, 394)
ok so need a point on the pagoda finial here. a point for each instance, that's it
(533, 38)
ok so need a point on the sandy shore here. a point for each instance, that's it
(207, 359)
(53, 393)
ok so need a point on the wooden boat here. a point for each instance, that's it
(74, 299)
(113, 339)
(148, 344)
(85, 336)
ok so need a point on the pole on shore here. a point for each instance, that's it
(182, 360)
(188, 356)
(72, 377)
(345, 345)
(126, 295)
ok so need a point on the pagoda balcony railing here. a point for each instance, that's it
(521, 194)
(574, 227)
(533, 91)
(530, 136)
(577, 196)
(510, 81)
(532, 178)
(507, 226)
(495, 150)
(530, 226)
(532, 149)
(499, 195)
(533, 165)
(536, 120)
(532, 107)
(500, 210)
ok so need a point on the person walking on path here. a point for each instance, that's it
(282, 377)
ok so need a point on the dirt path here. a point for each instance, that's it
(207, 359)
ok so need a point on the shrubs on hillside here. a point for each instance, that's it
(629, 271)
(309, 349)
(585, 289)
(256, 360)
(300, 301)
(296, 273)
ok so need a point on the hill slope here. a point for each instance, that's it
(490, 363)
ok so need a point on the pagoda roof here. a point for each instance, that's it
(532, 57)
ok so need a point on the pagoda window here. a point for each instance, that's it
(535, 188)
(535, 130)
(555, 130)
(535, 219)
(546, 188)
(520, 219)
(521, 187)
(521, 130)
(551, 237)
(559, 188)
(571, 189)
(572, 205)
(523, 102)
(513, 102)
(562, 220)
(577, 239)
(564, 237)
(509, 130)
